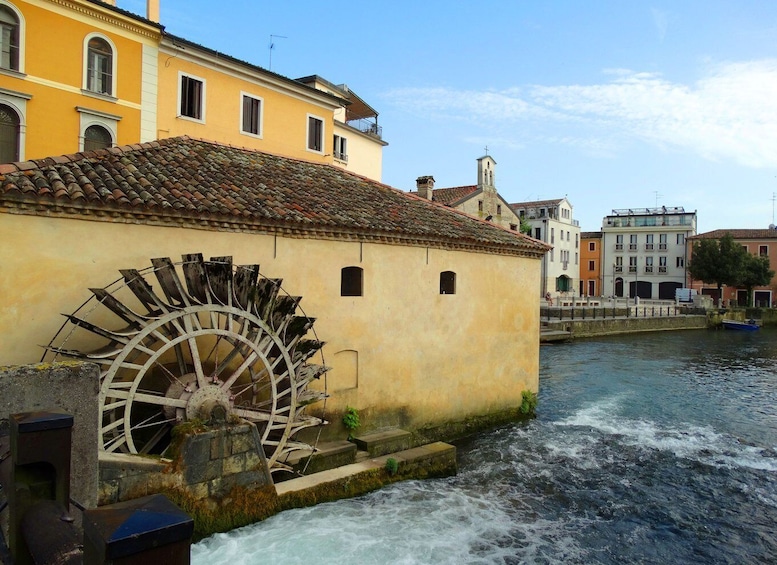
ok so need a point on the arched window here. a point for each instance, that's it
(99, 66)
(9, 39)
(97, 137)
(9, 134)
(351, 281)
(447, 282)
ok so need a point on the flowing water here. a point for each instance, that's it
(651, 448)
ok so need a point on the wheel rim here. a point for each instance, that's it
(220, 341)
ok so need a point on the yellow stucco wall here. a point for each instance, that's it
(365, 154)
(284, 129)
(401, 352)
(54, 71)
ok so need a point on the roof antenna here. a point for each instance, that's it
(272, 46)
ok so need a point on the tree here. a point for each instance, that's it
(755, 273)
(718, 261)
(525, 226)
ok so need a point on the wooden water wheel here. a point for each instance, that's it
(220, 341)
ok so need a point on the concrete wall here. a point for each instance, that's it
(611, 326)
(64, 387)
(402, 354)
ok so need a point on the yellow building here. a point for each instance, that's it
(424, 310)
(115, 78)
(72, 75)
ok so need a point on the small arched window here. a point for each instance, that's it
(447, 282)
(9, 39)
(351, 281)
(9, 134)
(97, 137)
(99, 66)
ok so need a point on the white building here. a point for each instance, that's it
(551, 221)
(644, 252)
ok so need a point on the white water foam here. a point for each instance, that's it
(700, 443)
(410, 523)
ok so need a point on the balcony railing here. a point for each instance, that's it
(367, 126)
(662, 246)
(632, 246)
(341, 156)
(648, 247)
(618, 247)
(618, 268)
(649, 268)
(662, 269)
(632, 269)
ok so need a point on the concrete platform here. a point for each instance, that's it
(381, 443)
(327, 455)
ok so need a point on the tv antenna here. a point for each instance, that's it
(272, 46)
(774, 197)
(657, 196)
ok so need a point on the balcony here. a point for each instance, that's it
(618, 247)
(662, 246)
(618, 268)
(632, 246)
(648, 247)
(367, 126)
(632, 268)
(662, 269)
(648, 268)
(341, 156)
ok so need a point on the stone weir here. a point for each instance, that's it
(218, 474)
(555, 329)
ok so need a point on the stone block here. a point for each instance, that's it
(234, 464)
(218, 446)
(382, 443)
(242, 441)
(202, 471)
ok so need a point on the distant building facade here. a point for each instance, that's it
(551, 221)
(760, 242)
(479, 200)
(644, 251)
(591, 263)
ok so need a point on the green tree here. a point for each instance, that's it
(525, 226)
(755, 273)
(718, 261)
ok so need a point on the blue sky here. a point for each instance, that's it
(613, 104)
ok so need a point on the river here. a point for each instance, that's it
(648, 448)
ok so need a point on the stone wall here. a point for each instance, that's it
(610, 326)
(60, 387)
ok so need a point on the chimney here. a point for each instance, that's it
(152, 10)
(425, 186)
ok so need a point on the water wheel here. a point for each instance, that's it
(220, 342)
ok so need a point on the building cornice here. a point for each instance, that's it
(124, 20)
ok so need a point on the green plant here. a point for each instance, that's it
(528, 403)
(351, 419)
(391, 466)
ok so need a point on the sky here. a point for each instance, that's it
(612, 104)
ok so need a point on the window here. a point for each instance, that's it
(351, 281)
(662, 242)
(662, 264)
(680, 262)
(619, 242)
(648, 264)
(577, 240)
(763, 250)
(10, 32)
(99, 66)
(649, 242)
(538, 233)
(9, 134)
(447, 282)
(341, 148)
(591, 265)
(680, 239)
(633, 242)
(251, 115)
(315, 134)
(514, 227)
(577, 258)
(591, 288)
(498, 209)
(591, 246)
(553, 235)
(97, 137)
(480, 205)
(191, 98)
(632, 264)
(618, 267)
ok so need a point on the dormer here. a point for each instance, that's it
(486, 173)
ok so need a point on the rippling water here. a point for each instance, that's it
(654, 448)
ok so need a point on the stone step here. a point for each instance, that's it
(387, 441)
(328, 455)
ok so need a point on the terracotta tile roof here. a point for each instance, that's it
(738, 234)
(454, 195)
(536, 203)
(590, 235)
(184, 181)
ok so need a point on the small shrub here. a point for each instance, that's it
(392, 466)
(528, 403)
(351, 419)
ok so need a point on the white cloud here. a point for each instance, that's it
(729, 114)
